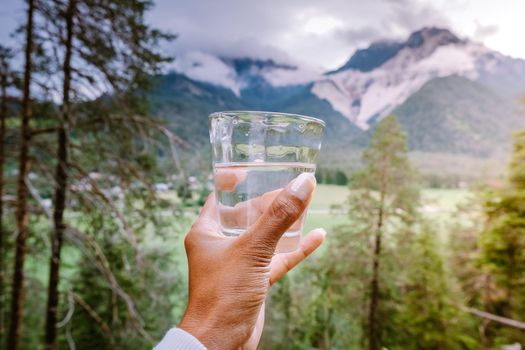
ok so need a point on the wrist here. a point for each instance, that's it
(200, 328)
(212, 330)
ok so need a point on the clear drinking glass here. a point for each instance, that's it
(255, 155)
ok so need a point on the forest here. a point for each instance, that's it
(97, 193)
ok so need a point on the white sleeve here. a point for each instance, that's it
(177, 339)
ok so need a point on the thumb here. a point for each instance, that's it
(285, 209)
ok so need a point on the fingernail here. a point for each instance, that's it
(321, 231)
(303, 185)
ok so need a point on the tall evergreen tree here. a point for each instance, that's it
(17, 296)
(408, 280)
(503, 247)
(427, 313)
(110, 40)
(5, 56)
(383, 191)
(61, 180)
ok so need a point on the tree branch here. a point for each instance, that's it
(500, 319)
(125, 225)
(35, 132)
(103, 265)
(93, 314)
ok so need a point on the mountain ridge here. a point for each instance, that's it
(379, 52)
(353, 101)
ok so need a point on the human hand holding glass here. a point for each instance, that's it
(229, 277)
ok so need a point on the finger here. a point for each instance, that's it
(244, 214)
(285, 209)
(282, 263)
(255, 337)
(226, 179)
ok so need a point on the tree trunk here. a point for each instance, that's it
(374, 284)
(3, 116)
(17, 298)
(61, 189)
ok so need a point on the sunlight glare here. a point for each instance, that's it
(321, 25)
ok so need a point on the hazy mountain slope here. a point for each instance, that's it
(456, 115)
(339, 130)
(504, 74)
(185, 104)
(374, 56)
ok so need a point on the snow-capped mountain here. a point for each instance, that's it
(374, 81)
(378, 79)
(451, 95)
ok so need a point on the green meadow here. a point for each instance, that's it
(328, 205)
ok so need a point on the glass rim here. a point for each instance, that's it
(268, 113)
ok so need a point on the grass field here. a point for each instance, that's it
(438, 204)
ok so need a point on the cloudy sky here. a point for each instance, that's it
(319, 33)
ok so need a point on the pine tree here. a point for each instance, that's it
(383, 191)
(5, 56)
(61, 180)
(503, 247)
(112, 41)
(411, 298)
(22, 191)
(428, 313)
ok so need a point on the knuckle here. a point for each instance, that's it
(188, 241)
(284, 208)
(287, 264)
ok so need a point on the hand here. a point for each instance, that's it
(229, 277)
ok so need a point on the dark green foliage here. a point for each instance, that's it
(340, 178)
(464, 251)
(428, 305)
(383, 197)
(386, 169)
(320, 305)
(418, 306)
(503, 247)
(456, 115)
(185, 105)
(184, 191)
(331, 176)
(148, 293)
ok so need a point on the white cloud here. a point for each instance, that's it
(207, 68)
(321, 33)
(483, 32)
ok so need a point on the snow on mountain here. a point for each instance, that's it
(366, 96)
(374, 81)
